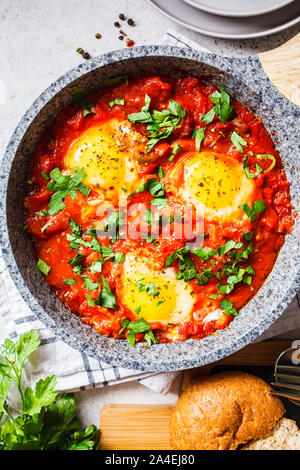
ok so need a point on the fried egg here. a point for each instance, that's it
(106, 152)
(155, 296)
(215, 184)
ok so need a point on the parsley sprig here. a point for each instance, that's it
(137, 326)
(161, 124)
(42, 422)
(63, 186)
(105, 297)
(257, 208)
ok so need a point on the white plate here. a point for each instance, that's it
(226, 27)
(238, 7)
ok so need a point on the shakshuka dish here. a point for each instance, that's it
(156, 207)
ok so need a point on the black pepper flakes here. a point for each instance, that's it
(130, 22)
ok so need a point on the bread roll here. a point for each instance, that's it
(285, 436)
(223, 411)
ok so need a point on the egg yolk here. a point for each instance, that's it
(155, 296)
(216, 184)
(105, 153)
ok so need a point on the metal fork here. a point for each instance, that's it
(287, 374)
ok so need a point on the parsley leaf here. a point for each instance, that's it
(204, 277)
(70, 282)
(199, 136)
(238, 141)
(42, 422)
(106, 297)
(222, 106)
(64, 185)
(160, 123)
(149, 287)
(138, 326)
(228, 308)
(119, 101)
(43, 267)
(257, 208)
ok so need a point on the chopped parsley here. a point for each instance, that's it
(238, 141)
(228, 308)
(89, 284)
(149, 287)
(137, 326)
(221, 107)
(46, 225)
(160, 123)
(198, 134)
(204, 277)
(63, 186)
(70, 282)
(43, 267)
(119, 101)
(105, 298)
(257, 208)
(160, 172)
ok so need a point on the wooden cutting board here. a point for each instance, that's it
(146, 427)
(282, 66)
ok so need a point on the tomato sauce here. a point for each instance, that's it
(53, 247)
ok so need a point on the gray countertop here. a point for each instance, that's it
(38, 42)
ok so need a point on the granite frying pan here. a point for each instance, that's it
(242, 78)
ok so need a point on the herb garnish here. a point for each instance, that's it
(70, 282)
(198, 134)
(238, 141)
(65, 185)
(221, 107)
(160, 123)
(105, 298)
(149, 287)
(43, 267)
(228, 308)
(119, 101)
(258, 206)
(42, 423)
(137, 326)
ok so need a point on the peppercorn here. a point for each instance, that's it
(122, 16)
(130, 22)
(117, 24)
(86, 55)
(98, 36)
(121, 38)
